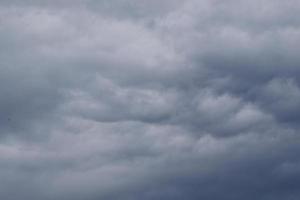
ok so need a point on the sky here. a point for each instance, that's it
(149, 100)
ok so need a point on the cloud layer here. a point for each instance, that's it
(195, 99)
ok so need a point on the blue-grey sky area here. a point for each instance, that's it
(149, 100)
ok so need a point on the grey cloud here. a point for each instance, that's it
(149, 100)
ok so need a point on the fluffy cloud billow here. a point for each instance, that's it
(136, 99)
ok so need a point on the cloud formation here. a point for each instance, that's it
(195, 99)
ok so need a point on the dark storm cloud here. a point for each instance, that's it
(149, 100)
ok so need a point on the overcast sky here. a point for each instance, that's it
(149, 99)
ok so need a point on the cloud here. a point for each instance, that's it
(149, 100)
